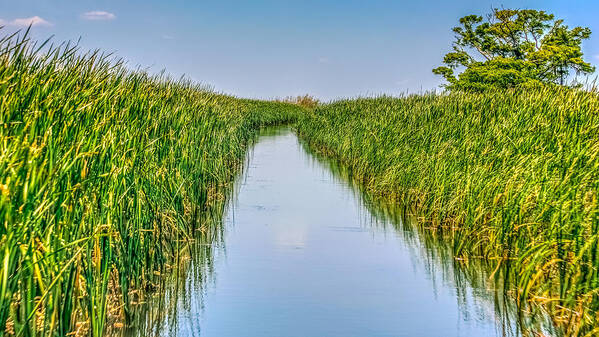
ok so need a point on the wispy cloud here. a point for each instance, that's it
(98, 16)
(167, 37)
(26, 22)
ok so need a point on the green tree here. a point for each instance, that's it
(513, 47)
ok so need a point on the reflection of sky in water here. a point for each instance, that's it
(303, 258)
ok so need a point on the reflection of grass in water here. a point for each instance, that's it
(160, 314)
(482, 278)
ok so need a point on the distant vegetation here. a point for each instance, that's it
(105, 176)
(305, 101)
(510, 177)
(512, 48)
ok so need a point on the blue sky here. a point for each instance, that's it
(275, 48)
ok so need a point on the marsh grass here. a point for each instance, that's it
(508, 177)
(106, 175)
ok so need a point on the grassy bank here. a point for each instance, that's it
(105, 175)
(509, 177)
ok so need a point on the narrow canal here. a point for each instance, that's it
(304, 254)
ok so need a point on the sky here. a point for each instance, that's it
(276, 48)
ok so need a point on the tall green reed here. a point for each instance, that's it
(105, 174)
(506, 176)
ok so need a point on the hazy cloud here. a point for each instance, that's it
(597, 57)
(167, 37)
(98, 16)
(26, 22)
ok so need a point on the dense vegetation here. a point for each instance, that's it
(514, 47)
(306, 101)
(504, 176)
(105, 174)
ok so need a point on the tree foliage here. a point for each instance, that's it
(514, 47)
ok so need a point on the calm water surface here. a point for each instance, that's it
(302, 255)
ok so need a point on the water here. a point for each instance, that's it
(304, 254)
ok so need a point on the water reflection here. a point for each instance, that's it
(307, 253)
(478, 284)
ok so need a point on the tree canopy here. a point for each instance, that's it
(513, 47)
